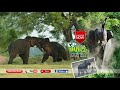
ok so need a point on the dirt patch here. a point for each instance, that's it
(2, 58)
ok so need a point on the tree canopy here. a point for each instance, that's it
(15, 24)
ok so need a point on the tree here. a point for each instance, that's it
(63, 22)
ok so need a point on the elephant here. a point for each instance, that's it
(82, 68)
(91, 41)
(21, 47)
(53, 49)
(99, 36)
(96, 45)
(95, 39)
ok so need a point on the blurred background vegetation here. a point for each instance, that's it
(14, 25)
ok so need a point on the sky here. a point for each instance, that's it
(47, 34)
(36, 34)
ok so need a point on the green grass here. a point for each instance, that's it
(36, 75)
(36, 60)
(39, 75)
(35, 63)
(35, 66)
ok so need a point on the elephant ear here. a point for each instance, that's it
(91, 35)
(32, 44)
(29, 38)
(33, 41)
(43, 41)
(39, 40)
(47, 39)
(109, 35)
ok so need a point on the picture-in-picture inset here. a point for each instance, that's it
(84, 67)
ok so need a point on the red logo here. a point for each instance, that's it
(80, 36)
(45, 71)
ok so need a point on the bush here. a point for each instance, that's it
(117, 63)
(100, 76)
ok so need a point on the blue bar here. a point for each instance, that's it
(61, 71)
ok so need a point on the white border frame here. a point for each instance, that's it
(83, 60)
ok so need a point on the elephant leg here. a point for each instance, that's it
(24, 58)
(45, 57)
(86, 71)
(78, 71)
(59, 59)
(55, 57)
(12, 56)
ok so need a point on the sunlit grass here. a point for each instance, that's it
(52, 75)
(35, 63)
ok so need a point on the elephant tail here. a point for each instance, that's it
(4, 51)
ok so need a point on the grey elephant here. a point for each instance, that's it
(98, 38)
(54, 49)
(82, 68)
(21, 47)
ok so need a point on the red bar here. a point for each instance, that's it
(45, 71)
(14, 71)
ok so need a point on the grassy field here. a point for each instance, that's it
(35, 63)
(38, 75)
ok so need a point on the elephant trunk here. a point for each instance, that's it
(40, 48)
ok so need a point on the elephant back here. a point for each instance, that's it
(61, 50)
(84, 65)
